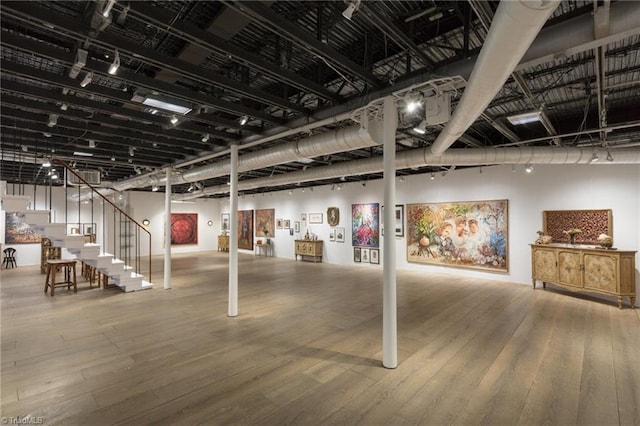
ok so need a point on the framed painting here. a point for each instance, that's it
(356, 255)
(303, 217)
(279, 223)
(365, 225)
(591, 224)
(364, 255)
(332, 235)
(265, 222)
(398, 220)
(184, 228)
(315, 217)
(286, 223)
(470, 234)
(374, 256)
(296, 226)
(340, 235)
(17, 231)
(245, 229)
(333, 216)
(225, 222)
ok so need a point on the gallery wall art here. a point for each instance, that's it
(265, 221)
(471, 234)
(245, 229)
(365, 225)
(17, 231)
(184, 228)
(591, 224)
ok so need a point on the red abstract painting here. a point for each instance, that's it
(184, 228)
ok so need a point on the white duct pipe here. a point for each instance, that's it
(515, 25)
(423, 157)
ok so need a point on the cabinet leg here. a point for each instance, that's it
(619, 302)
(633, 302)
(544, 285)
(534, 284)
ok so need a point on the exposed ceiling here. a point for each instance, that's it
(291, 69)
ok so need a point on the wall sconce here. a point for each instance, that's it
(145, 222)
(210, 222)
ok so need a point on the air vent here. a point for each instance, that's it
(92, 177)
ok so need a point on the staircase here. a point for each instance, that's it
(123, 274)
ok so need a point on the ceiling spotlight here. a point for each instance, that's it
(113, 158)
(53, 120)
(528, 168)
(205, 137)
(63, 107)
(401, 179)
(54, 176)
(594, 158)
(46, 135)
(421, 128)
(609, 156)
(244, 120)
(25, 148)
(113, 68)
(174, 120)
(412, 102)
(351, 8)
(155, 188)
(290, 192)
(46, 163)
(433, 176)
(92, 143)
(108, 8)
(190, 189)
(79, 63)
(131, 152)
(87, 79)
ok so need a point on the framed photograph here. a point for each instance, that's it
(225, 222)
(296, 226)
(374, 256)
(303, 217)
(364, 255)
(315, 217)
(356, 255)
(184, 228)
(332, 235)
(278, 223)
(340, 235)
(286, 223)
(265, 223)
(470, 234)
(365, 225)
(333, 216)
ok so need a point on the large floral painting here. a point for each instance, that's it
(470, 234)
(365, 225)
(184, 228)
(17, 231)
(265, 222)
(245, 229)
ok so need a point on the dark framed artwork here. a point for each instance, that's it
(279, 223)
(333, 216)
(245, 229)
(398, 222)
(225, 222)
(17, 231)
(365, 225)
(364, 255)
(470, 234)
(286, 223)
(332, 235)
(184, 228)
(591, 223)
(374, 256)
(265, 222)
(340, 235)
(356, 254)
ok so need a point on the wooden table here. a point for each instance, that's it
(68, 267)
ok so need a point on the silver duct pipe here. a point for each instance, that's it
(424, 157)
(515, 25)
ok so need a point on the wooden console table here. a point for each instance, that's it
(223, 243)
(585, 269)
(309, 248)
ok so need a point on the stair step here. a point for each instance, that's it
(36, 217)
(90, 251)
(103, 261)
(15, 203)
(55, 230)
(69, 241)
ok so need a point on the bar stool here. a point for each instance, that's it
(68, 267)
(9, 260)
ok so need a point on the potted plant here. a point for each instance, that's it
(572, 234)
(265, 231)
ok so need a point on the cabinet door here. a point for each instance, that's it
(601, 272)
(569, 271)
(544, 265)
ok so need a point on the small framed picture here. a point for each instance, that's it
(315, 217)
(356, 254)
(279, 223)
(374, 256)
(303, 217)
(286, 224)
(364, 255)
(332, 235)
(296, 226)
(339, 235)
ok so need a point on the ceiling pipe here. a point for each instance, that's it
(424, 157)
(514, 27)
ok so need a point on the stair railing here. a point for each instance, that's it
(125, 228)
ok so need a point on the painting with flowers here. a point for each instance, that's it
(470, 234)
(365, 225)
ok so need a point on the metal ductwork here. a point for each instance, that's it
(515, 25)
(424, 157)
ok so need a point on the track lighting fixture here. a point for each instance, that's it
(190, 189)
(79, 63)
(594, 158)
(46, 163)
(92, 143)
(25, 148)
(113, 158)
(433, 176)
(87, 79)
(528, 168)
(421, 128)
(174, 120)
(155, 188)
(53, 120)
(63, 107)
(205, 137)
(131, 153)
(46, 135)
(351, 9)
(290, 192)
(113, 68)
(609, 156)
(108, 7)
(401, 179)
(244, 120)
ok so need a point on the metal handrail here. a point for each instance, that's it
(122, 212)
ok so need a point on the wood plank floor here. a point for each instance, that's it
(306, 350)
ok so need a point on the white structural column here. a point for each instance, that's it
(233, 238)
(389, 303)
(167, 230)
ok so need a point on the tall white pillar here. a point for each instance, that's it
(233, 237)
(389, 302)
(167, 230)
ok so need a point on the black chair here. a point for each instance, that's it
(9, 260)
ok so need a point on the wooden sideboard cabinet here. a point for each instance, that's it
(223, 243)
(309, 248)
(581, 268)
